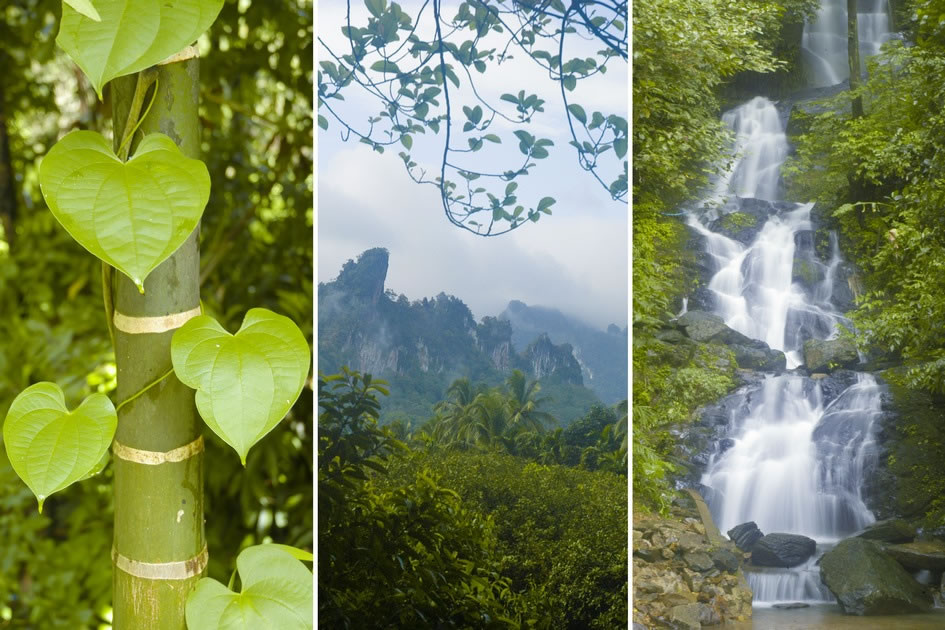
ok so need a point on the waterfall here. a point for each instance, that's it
(794, 455)
(824, 41)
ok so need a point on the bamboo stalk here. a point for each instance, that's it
(159, 547)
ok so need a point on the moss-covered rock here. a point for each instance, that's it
(866, 581)
(820, 355)
(891, 530)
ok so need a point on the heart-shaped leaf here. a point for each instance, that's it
(277, 593)
(51, 447)
(131, 35)
(246, 382)
(132, 215)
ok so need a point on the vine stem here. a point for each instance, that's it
(144, 81)
(143, 390)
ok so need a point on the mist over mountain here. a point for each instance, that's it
(421, 346)
(601, 354)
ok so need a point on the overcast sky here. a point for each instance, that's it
(575, 260)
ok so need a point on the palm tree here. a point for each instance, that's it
(453, 413)
(524, 403)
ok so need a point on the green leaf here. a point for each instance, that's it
(491, 137)
(51, 447)
(322, 122)
(247, 382)
(85, 8)
(578, 112)
(620, 147)
(376, 7)
(385, 66)
(132, 34)
(569, 82)
(132, 215)
(545, 203)
(407, 141)
(277, 593)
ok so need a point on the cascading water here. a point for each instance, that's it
(824, 41)
(795, 454)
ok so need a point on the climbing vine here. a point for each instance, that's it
(133, 211)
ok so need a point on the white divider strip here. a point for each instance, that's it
(154, 458)
(181, 570)
(145, 325)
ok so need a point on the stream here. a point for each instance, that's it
(795, 455)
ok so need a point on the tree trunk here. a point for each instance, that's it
(853, 54)
(159, 551)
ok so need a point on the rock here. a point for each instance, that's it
(893, 530)
(689, 541)
(763, 359)
(791, 606)
(686, 616)
(829, 355)
(750, 354)
(922, 554)
(670, 336)
(866, 581)
(698, 561)
(745, 535)
(782, 550)
(725, 560)
(702, 326)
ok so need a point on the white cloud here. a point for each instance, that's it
(575, 262)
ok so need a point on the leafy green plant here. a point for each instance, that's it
(276, 592)
(49, 446)
(246, 382)
(132, 215)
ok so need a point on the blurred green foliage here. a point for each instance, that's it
(256, 77)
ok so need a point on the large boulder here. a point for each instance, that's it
(892, 530)
(866, 581)
(758, 356)
(820, 355)
(705, 327)
(919, 555)
(750, 354)
(782, 550)
(745, 535)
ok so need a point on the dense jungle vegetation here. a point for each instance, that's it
(256, 73)
(479, 518)
(879, 176)
(879, 181)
